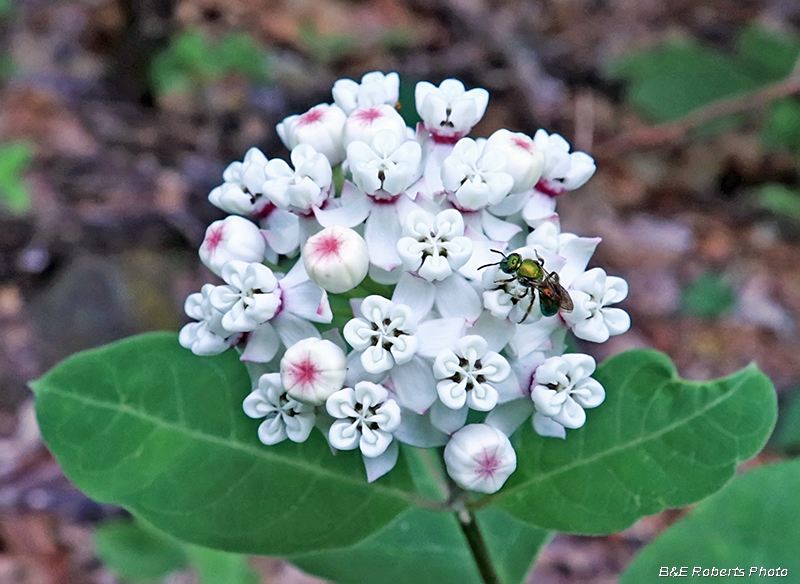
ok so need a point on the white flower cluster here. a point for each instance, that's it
(482, 286)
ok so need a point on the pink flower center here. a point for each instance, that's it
(214, 238)
(311, 117)
(441, 138)
(523, 143)
(328, 245)
(367, 116)
(305, 372)
(488, 464)
(549, 187)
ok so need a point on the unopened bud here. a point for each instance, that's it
(336, 259)
(480, 458)
(312, 370)
(232, 238)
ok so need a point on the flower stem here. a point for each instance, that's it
(478, 547)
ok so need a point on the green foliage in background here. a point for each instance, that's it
(710, 296)
(140, 554)
(15, 157)
(667, 82)
(193, 60)
(780, 200)
(145, 424)
(752, 522)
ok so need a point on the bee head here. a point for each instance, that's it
(511, 263)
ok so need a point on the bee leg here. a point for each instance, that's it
(530, 305)
(504, 281)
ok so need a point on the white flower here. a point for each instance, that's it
(250, 298)
(208, 336)
(480, 458)
(241, 194)
(312, 370)
(232, 238)
(388, 164)
(434, 246)
(562, 171)
(365, 419)
(285, 417)
(320, 127)
(468, 374)
(385, 334)
(475, 176)
(363, 123)
(562, 388)
(449, 111)
(375, 89)
(575, 251)
(298, 190)
(336, 259)
(525, 160)
(592, 292)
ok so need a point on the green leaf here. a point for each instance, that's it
(781, 200)
(656, 442)
(668, 82)
(239, 52)
(787, 435)
(137, 553)
(215, 567)
(709, 296)
(145, 424)
(782, 127)
(428, 547)
(769, 55)
(15, 158)
(750, 523)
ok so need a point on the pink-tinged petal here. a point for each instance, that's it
(414, 385)
(415, 293)
(350, 213)
(447, 420)
(307, 301)
(262, 344)
(509, 416)
(439, 334)
(292, 329)
(496, 331)
(382, 233)
(497, 229)
(380, 465)
(456, 298)
(534, 337)
(548, 427)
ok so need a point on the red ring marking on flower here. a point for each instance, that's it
(305, 372)
(523, 143)
(328, 245)
(312, 116)
(549, 187)
(488, 464)
(214, 238)
(369, 115)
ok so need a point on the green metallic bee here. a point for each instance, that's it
(532, 276)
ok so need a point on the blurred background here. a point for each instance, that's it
(117, 117)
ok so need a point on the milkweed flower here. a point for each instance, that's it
(434, 290)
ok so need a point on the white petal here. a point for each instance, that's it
(572, 415)
(308, 301)
(414, 385)
(299, 426)
(344, 435)
(292, 329)
(272, 431)
(447, 419)
(509, 416)
(380, 465)
(616, 320)
(548, 427)
(418, 431)
(497, 229)
(262, 344)
(497, 332)
(456, 298)
(376, 359)
(382, 233)
(373, 443)
(341, 404)
(439, 334)
(415, 293)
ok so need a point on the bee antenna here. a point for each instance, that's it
(498, 251)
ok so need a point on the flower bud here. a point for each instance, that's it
(375, 89)
(312, 370)
(525, 161)
(232, 238)
(320, 127)
(480, 458)
(336, 259)
(364, 123)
